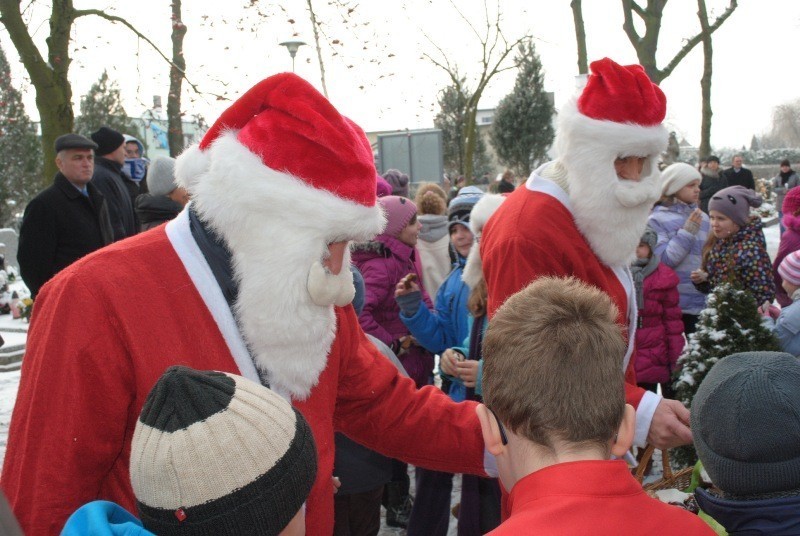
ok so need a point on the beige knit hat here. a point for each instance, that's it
(216, 454)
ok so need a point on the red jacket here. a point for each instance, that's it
(534, 235)
(592, 497)
(106, 328)
(659, 337)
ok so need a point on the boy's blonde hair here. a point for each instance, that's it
(553, 358)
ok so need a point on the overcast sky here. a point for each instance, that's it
(380, 80)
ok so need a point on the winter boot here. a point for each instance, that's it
(398, 505)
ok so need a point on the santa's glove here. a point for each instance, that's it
(692, 226)
(409, 303)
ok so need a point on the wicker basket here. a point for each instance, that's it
(670, 480)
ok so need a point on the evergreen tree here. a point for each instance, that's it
(450, 119)
(729, 324)
(522, 129)
(20, 151)
(102, 106)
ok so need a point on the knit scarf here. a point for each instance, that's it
(641, 268)
(785, 176)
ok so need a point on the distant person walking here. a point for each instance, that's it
(67, 220)
(712, 182)
(109, 180)
(784, 181)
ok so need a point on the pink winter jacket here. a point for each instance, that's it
(659, 339)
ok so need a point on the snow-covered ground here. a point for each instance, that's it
(9, 381)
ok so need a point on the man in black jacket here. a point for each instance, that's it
(109, 179)
(738, 175)
(67, 220)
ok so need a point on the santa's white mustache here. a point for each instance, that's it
(327, 289)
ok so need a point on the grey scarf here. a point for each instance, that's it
(641, 268)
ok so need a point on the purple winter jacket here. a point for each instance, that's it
(659, 338)
(384, 262)
(790, 241)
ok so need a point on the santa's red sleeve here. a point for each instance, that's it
(384, 411)
(67, 434)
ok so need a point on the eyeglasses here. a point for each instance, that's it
(503, 436)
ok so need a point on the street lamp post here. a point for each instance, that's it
(292, 45)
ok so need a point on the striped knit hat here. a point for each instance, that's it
(216, 454)
(789, 268)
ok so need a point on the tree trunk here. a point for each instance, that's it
(470, 132)
(705, 82)
(49, 78)
(580, 36)
(176, 73)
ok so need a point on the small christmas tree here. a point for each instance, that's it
(729, 324)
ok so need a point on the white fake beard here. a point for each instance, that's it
(611, 212)
(289, 332)
(327, 289)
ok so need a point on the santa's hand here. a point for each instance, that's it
(448, 362)
(670, 425)
(468, 372)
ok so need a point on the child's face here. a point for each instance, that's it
(642, 251)
(788, 287)
(721, 225)
(462, 239)
(690, 193)
(410, 233)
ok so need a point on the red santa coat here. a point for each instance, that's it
(533, 234)
(107, 327)
(592, 497)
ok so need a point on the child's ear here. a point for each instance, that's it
(492, 439)
(624, 440)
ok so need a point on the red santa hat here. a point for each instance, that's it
(284, 131)
(619, 113)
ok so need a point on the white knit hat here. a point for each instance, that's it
(214, 453)
(676, 176)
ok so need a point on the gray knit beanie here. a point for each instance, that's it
(746, 423)
(735, 203)
(161, 176)
(650, 238)
(216, 454)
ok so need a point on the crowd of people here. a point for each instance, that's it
(264, 363)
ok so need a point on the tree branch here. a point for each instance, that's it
(31, 57)
(630, 29)
(691, 43)
(140, 35)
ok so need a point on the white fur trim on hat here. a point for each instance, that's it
(481, 212)
(607, 138)
(276, 226)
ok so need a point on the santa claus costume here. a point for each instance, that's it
(575, 216)
(236, 283)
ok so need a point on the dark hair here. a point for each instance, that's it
(785, 162)
(712, 158)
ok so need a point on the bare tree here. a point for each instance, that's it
(495, 50)
(580, 36)
(177, 69)
(646, 45)
(705, 82)
(50, 77)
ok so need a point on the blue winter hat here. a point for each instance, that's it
(461, 206)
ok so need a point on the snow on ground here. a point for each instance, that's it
(9, 381)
